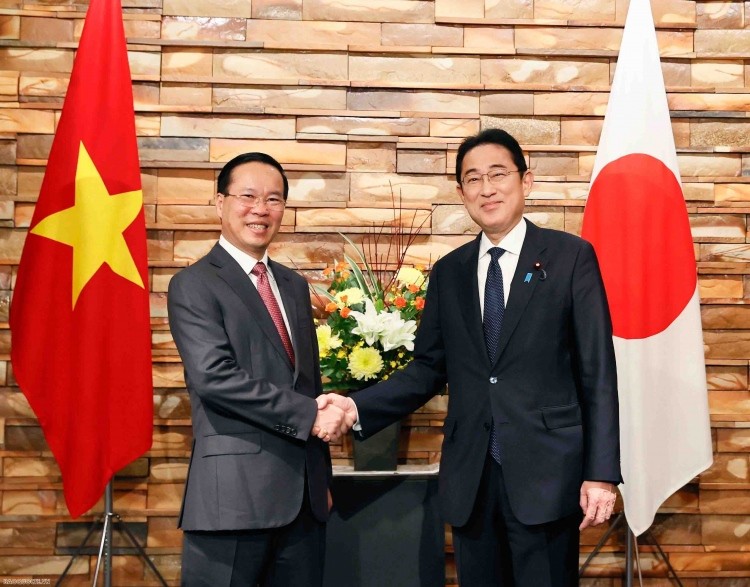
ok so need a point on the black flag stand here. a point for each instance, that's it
(110, 519)
(632, 547)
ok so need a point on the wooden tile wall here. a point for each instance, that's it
(360, 99)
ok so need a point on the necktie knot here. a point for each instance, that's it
(259, 269)
(496, 253)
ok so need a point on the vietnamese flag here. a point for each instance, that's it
(637, 221)
(81, 348)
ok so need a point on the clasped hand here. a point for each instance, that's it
(336, 415)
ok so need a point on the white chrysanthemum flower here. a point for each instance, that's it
(349, 297)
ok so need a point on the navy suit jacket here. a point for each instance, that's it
(252, 412)
(552, 391)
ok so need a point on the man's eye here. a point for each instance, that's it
(472, 180)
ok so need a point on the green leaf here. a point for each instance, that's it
(361, 283)
(370, 273)
(322, 291)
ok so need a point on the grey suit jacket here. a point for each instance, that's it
(551, 391)
(252, 412)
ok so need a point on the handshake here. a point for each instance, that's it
(336, 415)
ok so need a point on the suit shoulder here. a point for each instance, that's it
(560, 238)
(192, 273)
(456, 255)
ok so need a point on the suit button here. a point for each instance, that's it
(493, 380)
(277, 427)
(293, 432)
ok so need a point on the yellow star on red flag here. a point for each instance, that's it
(94, 226)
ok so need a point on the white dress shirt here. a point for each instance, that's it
(511, 243)
(247, 262)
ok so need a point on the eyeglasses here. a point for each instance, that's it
(473, 181)
(252, 201)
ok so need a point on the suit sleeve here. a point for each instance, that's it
(597, 373)
(411, 387)
(211, 370)
(318, 380)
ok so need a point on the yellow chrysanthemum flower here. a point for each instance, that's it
(365, 363)
(326, 340)
(410, 275)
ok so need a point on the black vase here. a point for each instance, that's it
(379, 452)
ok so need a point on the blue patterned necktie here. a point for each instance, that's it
(494, 310)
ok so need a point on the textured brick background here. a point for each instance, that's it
(359, 99)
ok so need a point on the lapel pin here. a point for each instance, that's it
(527, 279)
(538, 267)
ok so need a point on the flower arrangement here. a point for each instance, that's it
(373, 314)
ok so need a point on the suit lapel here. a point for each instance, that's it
(230, 271)
(471, 311)
(533, 251)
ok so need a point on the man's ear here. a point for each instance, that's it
(219, 205)
(460, 192)
(528, 181)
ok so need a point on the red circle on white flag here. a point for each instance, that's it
(636, 219)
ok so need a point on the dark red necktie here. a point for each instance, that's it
(264, 289)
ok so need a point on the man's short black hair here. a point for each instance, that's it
(492, 136)
(225, 175)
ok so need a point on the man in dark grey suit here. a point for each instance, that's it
(517, 323)
(256, 497)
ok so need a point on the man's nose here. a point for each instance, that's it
(487, 186)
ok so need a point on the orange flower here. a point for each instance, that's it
(420, 268)
(419, 303)
(331, 307)
(327, 271)
(345, 312)
(340, 266)
(344, 299)
(345, 274)
(413, 288)
(399, 302)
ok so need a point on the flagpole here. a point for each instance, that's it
(629, 557)
(110, 519)
(105, 547)
(631, 552)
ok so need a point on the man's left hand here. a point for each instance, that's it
(597, 502)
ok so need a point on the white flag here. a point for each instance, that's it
(637, 221)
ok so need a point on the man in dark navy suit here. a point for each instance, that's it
(517, 324)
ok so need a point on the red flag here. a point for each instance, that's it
(81, 348)
(637, 221)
